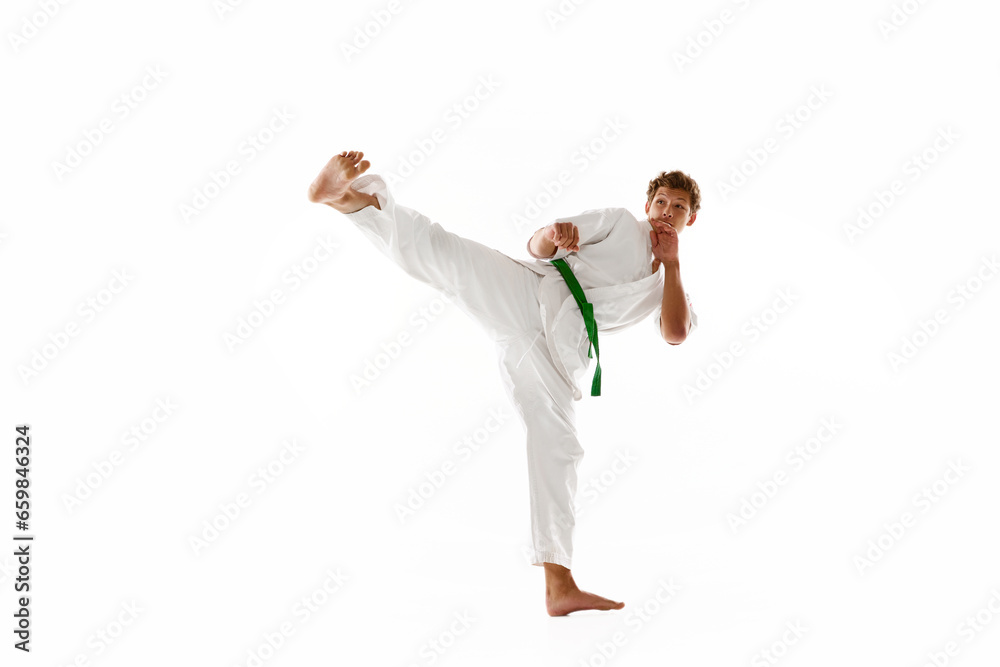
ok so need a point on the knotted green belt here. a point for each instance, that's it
(587, 309)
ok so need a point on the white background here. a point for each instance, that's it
(125, 537)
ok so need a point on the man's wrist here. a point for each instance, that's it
(542, 242)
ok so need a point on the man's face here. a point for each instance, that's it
(670, 208)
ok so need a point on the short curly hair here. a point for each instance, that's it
(675, 180)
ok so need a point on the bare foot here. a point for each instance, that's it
(333, 185)
(563, 596)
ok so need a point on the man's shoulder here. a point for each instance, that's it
(611, 213)
(622, 213)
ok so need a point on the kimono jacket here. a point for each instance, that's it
(614, 268)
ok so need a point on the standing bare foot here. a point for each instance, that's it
(563, 596)
(333, 185)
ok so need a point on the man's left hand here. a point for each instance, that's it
(664, 245)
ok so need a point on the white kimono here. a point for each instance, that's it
(528, 310)
(614, 268)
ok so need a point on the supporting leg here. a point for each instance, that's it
(544, 403)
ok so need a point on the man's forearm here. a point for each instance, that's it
(675, 320)
(540, 247)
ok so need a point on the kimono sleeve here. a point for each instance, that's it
(594, 226)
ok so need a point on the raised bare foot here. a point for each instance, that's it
(563, 596)
(333, 185)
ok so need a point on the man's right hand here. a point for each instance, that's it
(563, 235)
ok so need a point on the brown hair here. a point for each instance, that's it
(676, 180)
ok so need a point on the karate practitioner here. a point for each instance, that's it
(628, 269)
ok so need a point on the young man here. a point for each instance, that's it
(628, 269)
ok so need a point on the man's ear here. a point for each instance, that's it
(692, 219)
(647, 208)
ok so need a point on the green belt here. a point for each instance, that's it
(587, 309)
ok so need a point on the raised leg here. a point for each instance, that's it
(486, 284)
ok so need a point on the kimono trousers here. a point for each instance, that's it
(529, 312)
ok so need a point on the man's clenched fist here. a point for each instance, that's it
(563, 235)
(664, 244)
